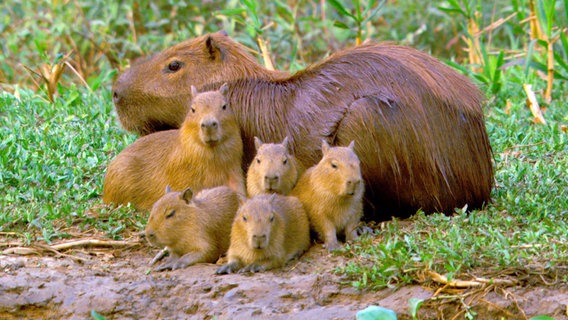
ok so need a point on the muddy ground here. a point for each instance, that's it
(116, 283)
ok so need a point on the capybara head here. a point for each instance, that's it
(153, 94)
(168, 214)
(273, 170)
(257, 219)
(339, 170)
(209, 119)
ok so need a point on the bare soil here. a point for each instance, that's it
(118, 285)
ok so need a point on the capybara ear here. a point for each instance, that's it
(168, 189)
(224, 89)
(215, 51)
(223, 32)
(324, 146)
(351, 145)
(193, 91)
(187, 195)
(286, 143)
(257, 143)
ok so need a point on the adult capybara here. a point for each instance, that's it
(332, 194)
(268, 231)
(419, 124)
(193, 228)
(205, 152)
(273, 170)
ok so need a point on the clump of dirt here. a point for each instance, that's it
(118, 285)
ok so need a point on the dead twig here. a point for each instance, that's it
(462, 284)
(70, 245)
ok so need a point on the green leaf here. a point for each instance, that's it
(542, 318)
(341, 9)
(96, 316)
(340, 24)
(414, 305)
(376, 313)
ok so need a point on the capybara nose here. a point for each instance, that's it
(352, 186)
(258, 241)
(270, 180)
(209, 124)
(115, 97)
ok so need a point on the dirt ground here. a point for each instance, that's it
(118, 285)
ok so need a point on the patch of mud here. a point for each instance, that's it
(117, 285)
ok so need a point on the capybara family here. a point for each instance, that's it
(205, 152)
(273, 170)
(268, 231)
(332, 194)
(419, 125)
(194, 228)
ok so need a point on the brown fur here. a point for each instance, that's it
(206, 152)
(193, 228)
(332, 194)
(268, 231)
(273, 170)
(419, 124)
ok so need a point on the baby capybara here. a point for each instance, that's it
(194, 228)
(273, 170)
(205, 152)
(332, 194)
(268, 231)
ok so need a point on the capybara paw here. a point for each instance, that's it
(227, 268)
(165, 266)
(332, 246)
(253, 268)
(361, 230)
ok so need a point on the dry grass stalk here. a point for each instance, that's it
(532, 102)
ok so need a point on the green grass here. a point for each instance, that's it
(53, 161)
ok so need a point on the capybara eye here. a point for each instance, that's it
(175, 66)
(271, 218)
(170, 214)
(224, 107)
(192, 110)
(333, 165)
(244, 218)
(257, 160)
(285, 161)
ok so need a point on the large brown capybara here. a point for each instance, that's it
(205, 152)
(419, 124)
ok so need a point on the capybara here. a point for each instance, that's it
(273, 170)
(268, 231)
(194, 228)
(332, 194)
(205, 152)
(419, 124)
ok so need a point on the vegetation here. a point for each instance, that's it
(59, 130)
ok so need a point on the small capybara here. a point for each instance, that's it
(194, 228)
(205, 152)
(332, 194)
(268, 231)
(418, 123)
(273, 170)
